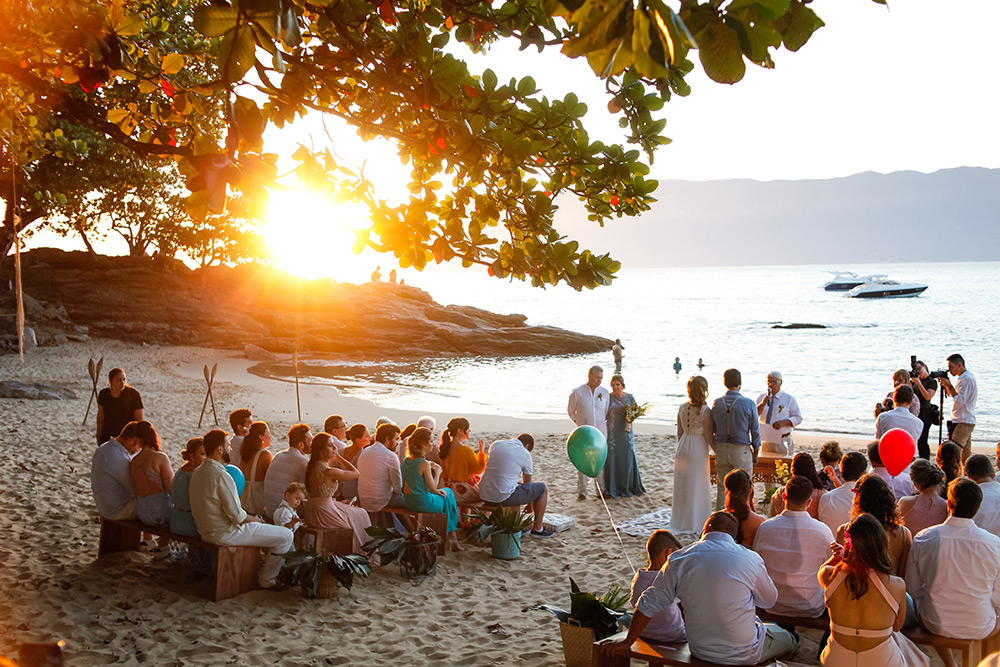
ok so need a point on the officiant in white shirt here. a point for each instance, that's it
(588, 406)
(779, 414)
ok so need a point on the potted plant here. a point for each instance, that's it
(320, 574)
(589, 619)
(415, 553)
(503, 526)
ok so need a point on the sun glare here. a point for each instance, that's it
(311, 237)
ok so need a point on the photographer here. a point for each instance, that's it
(899, 378)
(925, 387)
(963, 408)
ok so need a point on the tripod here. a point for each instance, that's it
(941, 415)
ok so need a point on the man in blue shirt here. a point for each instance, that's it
(720, 584)
(737, 433)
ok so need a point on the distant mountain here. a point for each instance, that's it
(949, 215)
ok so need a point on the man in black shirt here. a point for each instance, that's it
(117, 405)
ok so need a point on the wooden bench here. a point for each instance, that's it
(654, 654)
(467, 511)
(436, 521)
(339, 541)
(969, 648)
(233, 568)
(821, 623)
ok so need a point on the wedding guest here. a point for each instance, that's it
(835, 506)
(240, 421)
(692, 501)
(954, 573)
(949, 459)
(337, 428)
(287, 466)
(803, 465)
(181, 519)
(737, 433)
(830, 456)
(434, 456)
(286, 513)
(254, 462)
(867, 603)
(219, 517)
(152, 477)
(403, 438)
(110, 479)
(739, 503)
(588, 406)
(360, 439)
(380, 482)
(621, 470)
(117, 405)
(979, 469)
(322, 511)
(462, 466)
(900, 484)
(900, 416)
(420, 485)
(927, 508)
(720, 585)
(873, 496)
(667, 625)
(507, 480)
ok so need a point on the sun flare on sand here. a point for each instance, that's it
(311, 236)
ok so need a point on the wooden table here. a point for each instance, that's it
(763, 470)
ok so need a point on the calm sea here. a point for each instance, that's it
(726, 317)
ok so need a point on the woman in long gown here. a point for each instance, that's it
(621, 470)
(420, 486)
(461, 466)
(867, 603)
(692, 489)
(322, 511)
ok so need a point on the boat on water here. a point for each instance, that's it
(881, 287)
(843, 281)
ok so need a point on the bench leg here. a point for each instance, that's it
(437, 522)
(115, 537)
(599, 659)
(339, 542)
(235, 571)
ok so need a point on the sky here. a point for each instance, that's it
(908, 87)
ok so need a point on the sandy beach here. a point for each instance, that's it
(129, 608)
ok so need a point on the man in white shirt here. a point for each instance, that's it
(979, 469)
(507, 480)
(953, 572)
(720, 584)
(380, 480)
(779, 413)
(963, 409)
(900, 484)
(588, 406)
(337, 428)
(794, 546)
(835, 506)
(286, 467)
(110, 479)
(220, 519)
(900, 416)
(240, 420)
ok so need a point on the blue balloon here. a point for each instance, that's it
(587, 449)
(238, 477)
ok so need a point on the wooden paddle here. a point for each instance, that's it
(95, 373)
(209, 379)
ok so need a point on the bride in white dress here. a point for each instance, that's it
(692, 490)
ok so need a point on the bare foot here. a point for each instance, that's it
(455, 546)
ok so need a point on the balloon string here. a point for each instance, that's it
(613, 526)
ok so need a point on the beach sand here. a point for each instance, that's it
(130, 608)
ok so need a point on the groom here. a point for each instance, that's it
(588, 406)
(737, 434)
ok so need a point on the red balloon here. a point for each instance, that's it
(896, 449)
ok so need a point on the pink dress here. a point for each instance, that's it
(927, 511)
(322, 511)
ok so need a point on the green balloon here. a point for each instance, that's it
(587, 449)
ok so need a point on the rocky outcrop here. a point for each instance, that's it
(35, 391)
(77, 295)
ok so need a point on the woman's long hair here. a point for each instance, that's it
(949, 459)
(866, 548)
(803, 465)
(697, 388)
(415, 445)
(738, 488)
(252, 441)
(873, 496)
(448, 435)
(322, 450)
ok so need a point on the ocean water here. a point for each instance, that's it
(725, 316)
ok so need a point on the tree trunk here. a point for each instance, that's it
(83, 235)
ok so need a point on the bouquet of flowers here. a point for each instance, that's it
(633, 411)
(783, 474)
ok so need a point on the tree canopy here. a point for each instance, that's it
(198, 83)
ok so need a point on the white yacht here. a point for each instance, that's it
(879, 287)
(843, 281)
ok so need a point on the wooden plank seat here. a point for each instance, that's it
(468, 510)
(234, 569)
(653, 654)
(969, 649)
(339, 541)
(821, 623)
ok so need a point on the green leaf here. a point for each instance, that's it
(172, 63)
(769, 9)
(213, 21)
(720, 52)
(130, 26)
(526, 86)
(797, 25)
(236, 54)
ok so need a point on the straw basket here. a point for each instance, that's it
(578, 644)
(328, 585)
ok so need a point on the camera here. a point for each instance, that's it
(938, 374)
(884, 406)
(934, 375)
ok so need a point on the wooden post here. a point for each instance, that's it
(295, 369)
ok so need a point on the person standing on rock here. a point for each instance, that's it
(117, 405)
(588, 406)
